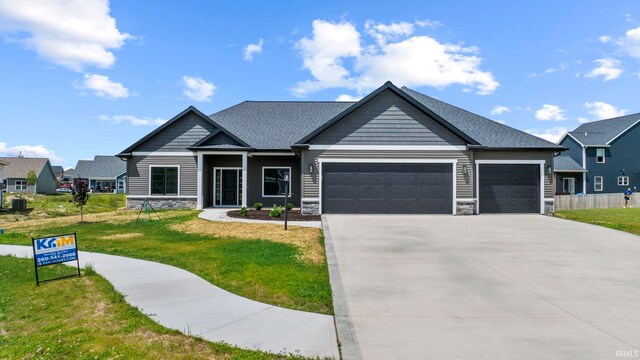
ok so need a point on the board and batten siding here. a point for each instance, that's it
(387, 119)
(547, 156)
(464, 183)
(138, 173)
(180, 135)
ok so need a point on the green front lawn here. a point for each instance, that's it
(85, 318)
(47, 206)
(258, 261)
(620, 218)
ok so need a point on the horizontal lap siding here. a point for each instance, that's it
(138, 173)
(464, 182)
(387, 120)
(179, 136)
(547, 156)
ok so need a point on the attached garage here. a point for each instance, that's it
(509, 188)
(387, 188)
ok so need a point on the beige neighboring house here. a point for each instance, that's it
(15, 175)
(2, 165)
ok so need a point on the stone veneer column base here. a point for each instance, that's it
(548, 207)
(163, 203)
(310, 207)
(465, 207)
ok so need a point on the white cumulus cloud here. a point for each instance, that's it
(70, 33)
(253, 49)
(38, 151)
(133, 120)
(553, 134)
(499, 110)
(550, 112)
(347, 97)
(197, 89)
(337, 57)
(608, 68)
(601, 110)
(102, 86)
(630, 42)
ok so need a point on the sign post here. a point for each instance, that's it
(286, 193)
(55, 250)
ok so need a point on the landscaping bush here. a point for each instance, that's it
(289, 206)
(244, 211)
(258, 206)
(276, 211)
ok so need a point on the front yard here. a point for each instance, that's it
(48, 206)
(258, 261)
(85, 318)
(627, 220)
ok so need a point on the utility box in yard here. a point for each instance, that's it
(19, 204)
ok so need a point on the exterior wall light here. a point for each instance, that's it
(548, 169)
(465, 169)
(310, 168)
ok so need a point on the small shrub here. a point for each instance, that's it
(258, 206)
(276, 211)
(244, 211)
(289, 206)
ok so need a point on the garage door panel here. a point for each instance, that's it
(341, 192)
(509, 188)
(388, 188)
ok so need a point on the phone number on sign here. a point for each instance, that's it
(56, 258)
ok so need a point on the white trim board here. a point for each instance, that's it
(510, 162)
(163, 153)
(453, 163)
(388, 147)
(387, 161)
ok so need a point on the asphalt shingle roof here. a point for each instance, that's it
(277, 124)
(602, 131)
(565, 163)
(102, 166)
(487, 132)
(17, 168)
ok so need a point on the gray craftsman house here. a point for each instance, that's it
(15, 175)
(394, 151)
(602, 157)
(105, 173)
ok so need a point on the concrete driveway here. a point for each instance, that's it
(483, 287)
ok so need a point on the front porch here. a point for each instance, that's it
(227, 179)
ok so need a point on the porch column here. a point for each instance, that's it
(244, 179)
(199, 181)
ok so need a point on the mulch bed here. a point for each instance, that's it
(294, 215)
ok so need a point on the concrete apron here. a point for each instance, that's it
(180, 300)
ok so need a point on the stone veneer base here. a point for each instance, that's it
(163, 203)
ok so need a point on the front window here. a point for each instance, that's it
(21, 185)
(164, 180)
(597, 183)
(600, 156)
(273, 181)
(623, 180)
(120, 185)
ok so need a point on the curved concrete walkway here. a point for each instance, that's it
(180, 300)
(220, 214)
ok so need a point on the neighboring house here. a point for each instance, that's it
(15, 175)
(105, 173)
(58, 171)
(602, 157)
(2, 165)
(394, 151)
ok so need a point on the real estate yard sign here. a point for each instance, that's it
(54, 250)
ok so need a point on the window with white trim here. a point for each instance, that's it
(600, 156)
(273, 181)
(21, 185)
(623, 180)
(597, 183)
(164, 180)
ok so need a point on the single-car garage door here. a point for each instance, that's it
(366, 188)
(509, 188)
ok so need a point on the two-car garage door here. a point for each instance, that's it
(425, 188)
(384, 188)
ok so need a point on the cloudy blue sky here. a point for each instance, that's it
(80, 78)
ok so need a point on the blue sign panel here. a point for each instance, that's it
(55, 249)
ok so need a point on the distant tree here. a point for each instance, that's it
(80, 193)
(32, 178)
